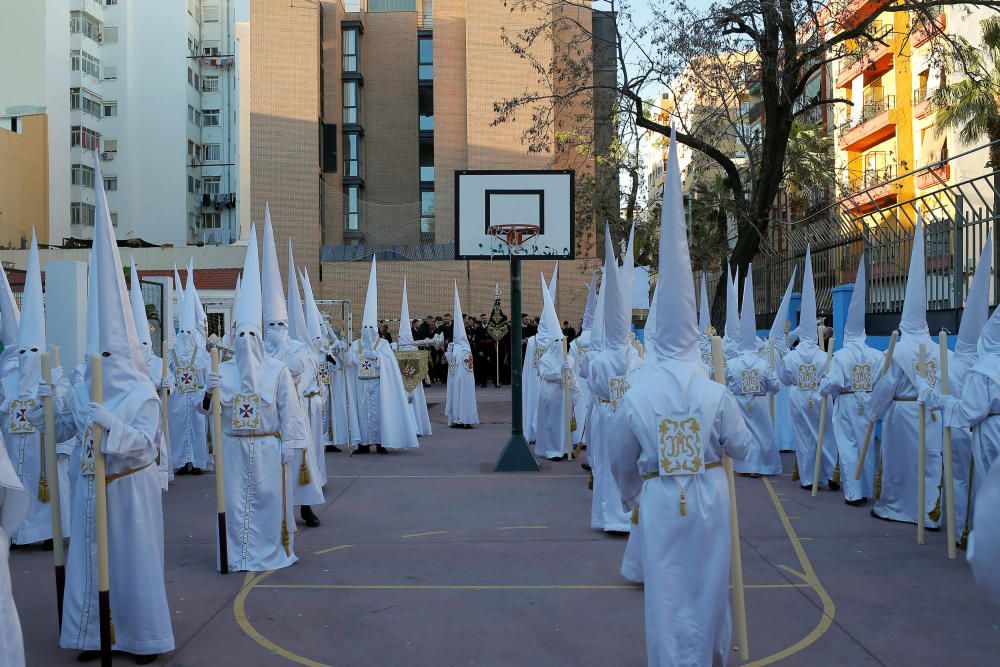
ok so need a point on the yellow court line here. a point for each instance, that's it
(808, 576)
(432, 532)
(521, 527)
(481, 476)
(490, 587)
(332, 549)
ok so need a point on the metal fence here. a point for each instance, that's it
(957, 216)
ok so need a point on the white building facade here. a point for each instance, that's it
(149, 87)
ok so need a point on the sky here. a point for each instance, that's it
(242, 10)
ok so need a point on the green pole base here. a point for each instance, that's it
(517, 456)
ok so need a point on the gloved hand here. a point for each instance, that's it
(36, 415)
(100, 416)
(926, 395)
(287, 454)
(44, 390)
(341, 345)
(212, 380)
(825, 388)
(371, 354)
(567, 365)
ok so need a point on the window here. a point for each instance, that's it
(84, 24)
(212, 184)
(83, 175)
(209, 118)
(210, 48)
(349, 50)
(85, 138)
(110, 145)
(108, 3)
(352, 205)
(329, 148)
(210, 84)
(114, 219)
(81, 61)
(190, 76)
(427, 161)
(197, 83)
(191, 184)
(425, 107)
(81, 214)
(110, 72)
(110, 34)
(425, 62)
(85, 101)
(210, 14)
(213, 152)
(211, 221)
(351, 103)
(426, 212)
(111, 184)
(110, 109)
(352, 154)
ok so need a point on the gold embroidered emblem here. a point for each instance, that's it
(680, 447)
(706, 358)
(750, 381)
(323, 375)
(808, 377)
(861, 377)
(246, 411)
(617, 387)
(929, 372)
(539, 352)
(18, 421)
(468, 362)
(87, 457)
(186, 379)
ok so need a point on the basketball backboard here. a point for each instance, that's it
(527, 214)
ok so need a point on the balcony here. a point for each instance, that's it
(937, 174)
(922, 104)
(875, 60)
(877, 123)
(923, 34)
(219, 201)
(856, 11)
(871, 189)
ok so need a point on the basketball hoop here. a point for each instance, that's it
(514, 234)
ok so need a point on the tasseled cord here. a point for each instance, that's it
(305, 477)
(43, 489)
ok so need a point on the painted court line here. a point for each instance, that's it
(521, 527)
(432, 532)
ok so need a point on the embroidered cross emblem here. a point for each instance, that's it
(18, 421)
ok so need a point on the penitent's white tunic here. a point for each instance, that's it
(863, 363)
(139, 608)
(755, 406)
(530, 387)
(687, 617)
(14, 504)
(550, 419)
(460, 406)
(963, 466)
(343, 409)
(188, 426)
(894, 398)
(583, 401)
(254, 471)
(28, 459)
(384, 417)
(802, 371)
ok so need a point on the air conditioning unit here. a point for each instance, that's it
(107, 156)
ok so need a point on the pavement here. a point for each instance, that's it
(427, 557)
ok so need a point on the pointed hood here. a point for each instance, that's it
(649, 333)
(628, 271)
(139, 314)
(248, 311)
(297, 318)
(554, 283)
(807, 313)
(913, 321)
(854, 330)
(617, 310)
(704, 312)
(748, 316)
(369, 319)
(31, 328)
(977, 303)
(179, 292)
(550, 320)
(314, 321)
(459, 336)
(272, 292)
(588, 309)
(676, 306)
(10, 316)
(732, 334)
(200, 318)
(405, 332)
(123, 364)
(597, 330)
(777, 333)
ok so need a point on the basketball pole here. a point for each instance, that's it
(516, 455)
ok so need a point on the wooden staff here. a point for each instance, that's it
(165, 404)
(921, 452)
(824, 402)
(771, 397)
(949, 473)
(567, 405)
(220, 471)
(101, 517)
(736, 559)
(871, 425)
(55, 509)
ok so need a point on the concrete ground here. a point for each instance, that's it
(429, 558)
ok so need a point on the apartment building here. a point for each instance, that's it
(148, 88)
(361, 112)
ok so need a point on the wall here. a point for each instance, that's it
(24, 202)
(450, 113)
(205, 257)
(243, 86)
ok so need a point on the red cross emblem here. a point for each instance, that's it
(186, 378)
(21, 415)
(246, 411)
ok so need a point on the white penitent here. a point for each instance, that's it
(188, 365)
(405, 343)
(460, 407)
(14, 506)
(682, 492)
(555, 378)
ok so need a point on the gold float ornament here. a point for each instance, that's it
(413, 366)
(498, 326)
